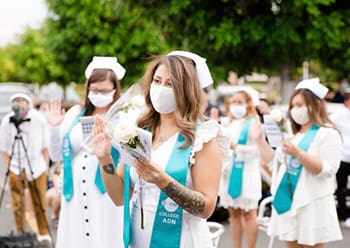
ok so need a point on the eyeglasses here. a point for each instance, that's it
(101, 91)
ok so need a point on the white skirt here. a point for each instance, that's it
(315, 223)
(240, 202)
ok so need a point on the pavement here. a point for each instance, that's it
(7, 224)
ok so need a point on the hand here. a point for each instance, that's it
(233, 146)
(214, 114)
(148, 171)
(101, 143)
(290, 149)
(257, 129)
(55, 113)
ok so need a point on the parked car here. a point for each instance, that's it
(7, 89)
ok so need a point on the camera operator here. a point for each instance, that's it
(24, 135)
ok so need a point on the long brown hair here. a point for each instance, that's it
(187, 91)
(99, 75)
(316, 109)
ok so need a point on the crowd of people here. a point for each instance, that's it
(202, 157)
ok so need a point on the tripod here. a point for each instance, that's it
(34, 191)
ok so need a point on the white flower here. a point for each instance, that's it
(138, 101)
(124, 132)
(276, 114)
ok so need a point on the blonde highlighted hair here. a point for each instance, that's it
(187, 91)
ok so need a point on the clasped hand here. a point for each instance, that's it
(148, 171)
(290, 149)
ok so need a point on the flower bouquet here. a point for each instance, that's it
(131, 141)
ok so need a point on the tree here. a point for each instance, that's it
(264, 35)
(29, 60)
(82, 29)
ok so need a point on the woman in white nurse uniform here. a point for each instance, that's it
(304, 212)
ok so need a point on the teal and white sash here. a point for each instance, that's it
(236, 177)
(168, 217)
(167, 223)
(126, 192)
(67, 160)
(67, 163)
(283, 199)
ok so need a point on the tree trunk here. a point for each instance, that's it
(287, 87)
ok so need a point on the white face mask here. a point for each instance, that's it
(162, 98)
(300, 115)
(101, 100)
(238, 111)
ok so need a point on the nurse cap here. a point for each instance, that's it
(111, 63)
(314, 85)
(203, 72)
(22, 96)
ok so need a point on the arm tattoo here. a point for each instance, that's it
(109, 169)
(191, 201)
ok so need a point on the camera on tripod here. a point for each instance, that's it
(18, 118)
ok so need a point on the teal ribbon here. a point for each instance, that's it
(126, 189)
(283, 199)
(67, 163)
(67, 160)
(236, 176)
(98, 178)
(168, 218)
(177, 167)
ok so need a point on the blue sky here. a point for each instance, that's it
(16, 15)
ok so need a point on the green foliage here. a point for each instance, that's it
(29, 61)
(81, 30)
(240, 35)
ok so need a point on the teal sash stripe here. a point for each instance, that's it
(126, 229)
(236, 176)
(98, 178)
(168, 219)
(283, 199)
(67, 160)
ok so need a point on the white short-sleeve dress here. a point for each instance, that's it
(195, 232)
(312, 218)
(90, 218)
(251, 183)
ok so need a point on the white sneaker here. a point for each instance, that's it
(45, 241)
(44, 237)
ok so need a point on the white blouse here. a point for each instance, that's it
(327, 147)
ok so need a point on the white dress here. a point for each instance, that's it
(90, 218)
(195, 232)
(312, 218)
(251, 181)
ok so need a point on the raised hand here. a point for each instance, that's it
(257, 129)
(55, 113)
(101, 143)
